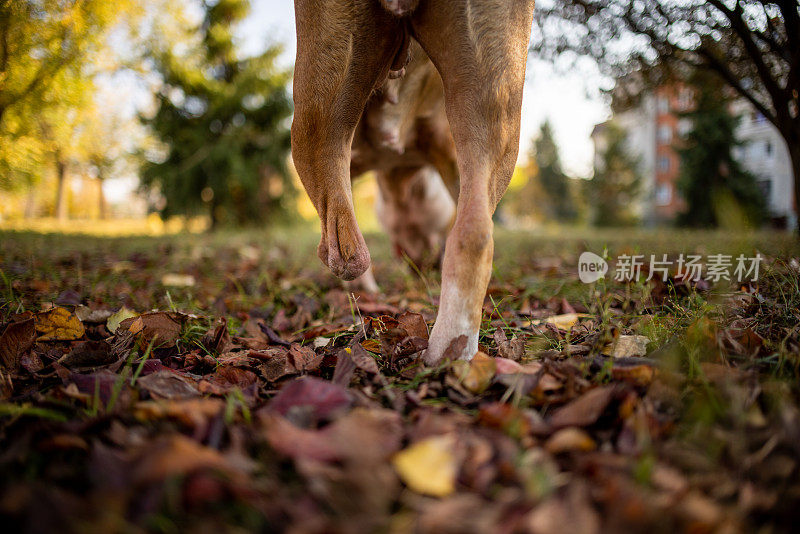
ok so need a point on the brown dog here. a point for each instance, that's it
(404, 137)
(346, 51)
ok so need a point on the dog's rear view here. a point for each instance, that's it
(347, 50)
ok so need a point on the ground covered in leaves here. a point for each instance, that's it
(218, 383)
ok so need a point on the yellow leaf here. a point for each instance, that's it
(478, 373)
(177, 280)
(371, 345)
(58, 324)
(113, 322)
(569, 439)
(428, 466)
(564, 321)
(638, 375)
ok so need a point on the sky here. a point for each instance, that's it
(570, 101)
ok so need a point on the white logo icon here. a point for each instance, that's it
(591, 267)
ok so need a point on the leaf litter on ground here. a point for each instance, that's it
(641, 408)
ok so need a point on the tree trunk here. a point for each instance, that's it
(61, 190)
(214, 219)
(30, 202)
(794, 154)
(101, 200)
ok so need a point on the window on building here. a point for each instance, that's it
(685, 99)
(663, 163)
(768, 148)
(684, 127)
(663, 194)
(664, 134)
(663, 104)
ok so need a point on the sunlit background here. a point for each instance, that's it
(112, 131)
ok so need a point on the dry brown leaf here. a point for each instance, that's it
(159, 328)
(16, 339)
(167, 385)
(177, 455)
(190, 412)
(414, 324)
(585, 410)
(303, 358)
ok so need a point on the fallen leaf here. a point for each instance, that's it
(627, 346)
(177, 280)
(190, 412)
(58, 324)
(637, 375)
(364, 360)
(303, 358)
(414, 324)
(17, 338)
(372, 345)
(309, 399)
(572, 513)
(89, 354)
(277, 366)
(455, 348)
(378, 433)
(511, 349)
(504, 366)
(429, 466)
(159, 328)
(585, 410)
(564, 321)
(507, 418)
(476, 375)
(167, 385)
(226, 379)
(116, 318)
(177, 455)
(345, 368)
(87, 315)
(568, 440)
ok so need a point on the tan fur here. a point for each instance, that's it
(345, 51)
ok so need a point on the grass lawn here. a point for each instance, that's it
(228, 381)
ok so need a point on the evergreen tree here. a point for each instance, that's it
(224, 123)
(555, 184)
(717, 190)
(616, 182)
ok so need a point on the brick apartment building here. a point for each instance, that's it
(654, 125)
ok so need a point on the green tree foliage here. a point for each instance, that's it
(223, 122)
(616, 182)
(560, 197)
(49, 52)
(717, 190)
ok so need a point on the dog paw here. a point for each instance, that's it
(342, 248)
(443, 347)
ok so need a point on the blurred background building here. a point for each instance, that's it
(654, 125)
